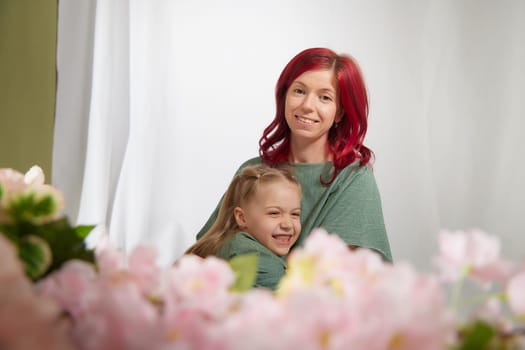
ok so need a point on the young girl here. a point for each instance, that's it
(260, 213)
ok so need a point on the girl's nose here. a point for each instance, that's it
(286, 223)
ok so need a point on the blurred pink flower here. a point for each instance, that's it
(417, 311)
(110, 261)
(27, 320)
(257, 320)
(140, 265)
(109, 307)
(516, 294)
(352, 291)
(195, 299)
(326, 261)
(11, 184)
(331, 298)
(472, 253)
(73, 287)
(202, 283)
(119, 317)
(11, 180)
(34, 179)
(14, 185)
(143, 268)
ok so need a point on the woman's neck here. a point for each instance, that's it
(309, 152)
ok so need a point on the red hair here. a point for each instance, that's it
(345, 141)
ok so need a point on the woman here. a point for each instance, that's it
(319, 129)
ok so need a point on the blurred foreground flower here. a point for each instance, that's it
(473, 253)
(27, 320)
(30, 217)
(330, 298)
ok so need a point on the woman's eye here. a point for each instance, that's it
(296, 215)
(273, 213)
(326, 98)
(298, 91)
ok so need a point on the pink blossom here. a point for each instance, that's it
(143, 268)
(330, 298)
(322, 243)
(516, 293)
(34, 179)
(417, 312)
(329, 322)
(109, 309)
(11, 180)
(15, 185)
(27, 320)
(473, 253)
(201, 282)
(196, 300)
(119, 317)
(73, 287)
(353, 290)
(110, 261)
(257, 320)
(11, 184)
(326, 260)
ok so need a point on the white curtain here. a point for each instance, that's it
(159, 102)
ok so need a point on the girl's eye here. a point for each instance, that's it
(298, 91)
(273, 213)
(296, 215)
(326, 98)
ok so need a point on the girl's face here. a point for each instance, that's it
(273, 215)
(311, 105)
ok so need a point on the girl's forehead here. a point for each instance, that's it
(275, 184)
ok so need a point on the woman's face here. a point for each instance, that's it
(311, 105)
(273, 215)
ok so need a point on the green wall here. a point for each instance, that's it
(27, 83)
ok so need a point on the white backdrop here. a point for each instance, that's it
(159, 102)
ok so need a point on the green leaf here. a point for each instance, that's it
(83, 230)
(64, 241)
(245, 269)
(35, 254)
(46, 205)
(10, 232)
(477, 336)
(30, 207)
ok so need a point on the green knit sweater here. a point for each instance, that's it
(349, 207)
(270, 267)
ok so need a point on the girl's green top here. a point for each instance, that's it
(350, 206)
(270, 267)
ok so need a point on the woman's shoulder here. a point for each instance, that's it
(249, 162)
(356, 170)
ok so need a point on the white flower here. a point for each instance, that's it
(34, 176)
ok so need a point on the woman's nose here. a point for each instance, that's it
(308, 103)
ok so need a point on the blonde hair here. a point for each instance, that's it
(241, 190)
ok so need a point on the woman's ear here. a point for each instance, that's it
(238, 213)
